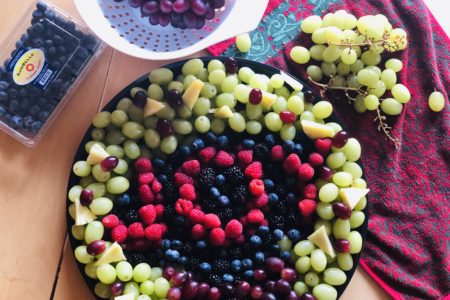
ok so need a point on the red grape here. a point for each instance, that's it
(86, 197)
(109, 163)
(342, 211)
(255, 96)
(340, 139)
(96, 247)
(287, 117)
(342, 246)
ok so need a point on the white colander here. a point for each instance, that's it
(122, 27)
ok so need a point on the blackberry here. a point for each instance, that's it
(169, 191)
(169, 170)
(193, 263)
(239, 194)
(215, 280)
(281, 207)
(222, 266)
(132, 216)
(152, 258)
(293, 219)
(225, 215)
(136, 258)
(118, 211)
(234, 175)
(274, 171)
(276, 221)
(187, 248)
(206, 178)
(280, 190)
(235, 253)
(209, 205)
(261, 152)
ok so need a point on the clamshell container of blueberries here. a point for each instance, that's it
(42, 62)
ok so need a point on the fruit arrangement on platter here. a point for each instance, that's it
(217, 179)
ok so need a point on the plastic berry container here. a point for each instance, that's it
(42, 60)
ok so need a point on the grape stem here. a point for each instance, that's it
(341, 88)
(382, 126)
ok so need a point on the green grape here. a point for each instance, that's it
(296, 105)
(285, 244)
(155, 92)
(245, 73)
(94, 231)
(131, 149)
(391, 106)
(273, 121)
(361, 204)
(161, 76)
(368, 77)
(389, 78)
(78, 232)
(162, 286)
(312, 278)
(311, 24)
(237, 122)
(217, 77)
(300, 288)
(335, 126)
(342, 179)
(99, 174)
(242, 92)
(106, 273)
(167, 113)
(357, 219)
(325, 210)
(357, 66)
(124, 271)
(98, 134)
(258, 81)
(307, 115)
(324, 291)
(359, 104)
(131, 288)
(398, 39)
(117, 185)
(152, 138)
(89, 145)
(136, 114)
(352, 149)
(349, 56)
(86, 181)
(318, 260)
(169, 144)
(184, 112)
(156, 273)
(91, 270)
(253, 127)
(243, 42)
(322, 110)
(98, 188)
(276, 81)
(339, 19)
(115, 150)
(287, 132)
(254, 112)
(337, 81)
(142, 272)
(202, 106)
(359, 183)
(355, 240)
(150, 122)
(328, 192)
(325, 223)
(353, 168)
(101, 206)
(192, 66)
(203, 75)
(314, 72)
(115, 137)
(401, 93)
(147, 287)
(102, 119)
(316, 52)
(350, 35)
(124, 104)
(215, 64)
(328, 20)
(328, 69)
(345, 261)
(378, 90)
(177, 85)
(226, 99)
(343, 69)
(436, 101)
(279, 105)
(334, 35)
(230, 82)
(341, 229)
(303, 264)
(283, 92)
(136, 89)
(81, 168)
(202, 124)
(82, 256)
(102, 290)
(303, 248)
(371, 102)
(143, 297)
(121, 168)
(218, 126)
(300, 54)
(208, 91)
(182, 126)
(336, 159)
(394, 64)
(332, 53)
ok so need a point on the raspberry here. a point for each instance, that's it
(156, 186)
(277, 153)
(183, 207)
(191, 167)
(119, 233)
(264, 222)
(323, 146)
(310, 191)
(110, 221)
(181, 178)
(307, 207)
(291, 164)
(207, 154)
(306, 172)
(233, 229)
(239, 240)
(254, 170)
(255, 216)
(136, 230)
(145, 194)
(148, 214)
(146, 178)
(245, 156)
(211, 221)
(143, 165)
(154, 232)
(217, 237)
(140, 244)
(198, 231)
(159, 210)
(196, 216)
(315, 159)
(224, 159)
(159, 198)
(256, 187)
(262, 200)
(187, 191)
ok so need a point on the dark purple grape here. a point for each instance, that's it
(135, 3)
(117, 287)
(210, 13)
(190, 19)
(231, 65)
(282, 287)
(164, 127)
(165, 6)
(342, 211)
(154, 18)
(307, 296)
(180, 6)
(309, 96)
(200, 22)
(174, 98)
(217, 3)
(96, 247)
(149, 8)
(190, 290)
(164, 20)
(140, 99)
(86, 197)
(199, 7)
(340, 139)
(292, 296)
(242, 289)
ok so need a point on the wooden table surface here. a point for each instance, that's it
(36, 260)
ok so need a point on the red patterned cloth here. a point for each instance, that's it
(408, 245)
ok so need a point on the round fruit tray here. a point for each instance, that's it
(176, 68)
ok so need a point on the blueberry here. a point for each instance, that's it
(13, 93)
(158, 163)
(176, 244)
(248, 274)
(289, 146)
(273, 198)
(162, 178)
(214, 192)
(260, 257)
(37, 14)
(223, 253)
(236, 265)
(56, 65)
(27, 121)
(24, 37)
(263, 230)
(51, 51)
(48, 43)
(165, 244)
(182, 260)
(275, 249)
(37, 43)
(290, 181)
(185, 150)
(198, 144)
(62, 50)
(205, 267)
(179, 220)
(294, 235)
(211, 137)
(3, 96)
(269, 139)
(220, 180)
(3, 85)
(49, 14)
(15, 122)
(247, 263)
(19, 44)
(43, 115)
(36, 126)
(172, 255)
(298, 149)
(248, 143)
(268, 184)
(2, 111)
(14, 106)
(255, 241)
(285, 255)
(201, 244)
(124, 200)
(222, 141)
(290, 198)
(41, 6)
(224, 200)
(278, 234)
(57, 40)
(69, 26)
(62, 59)
(34, 111)
(228, 278)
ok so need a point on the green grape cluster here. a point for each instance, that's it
(348, 52)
